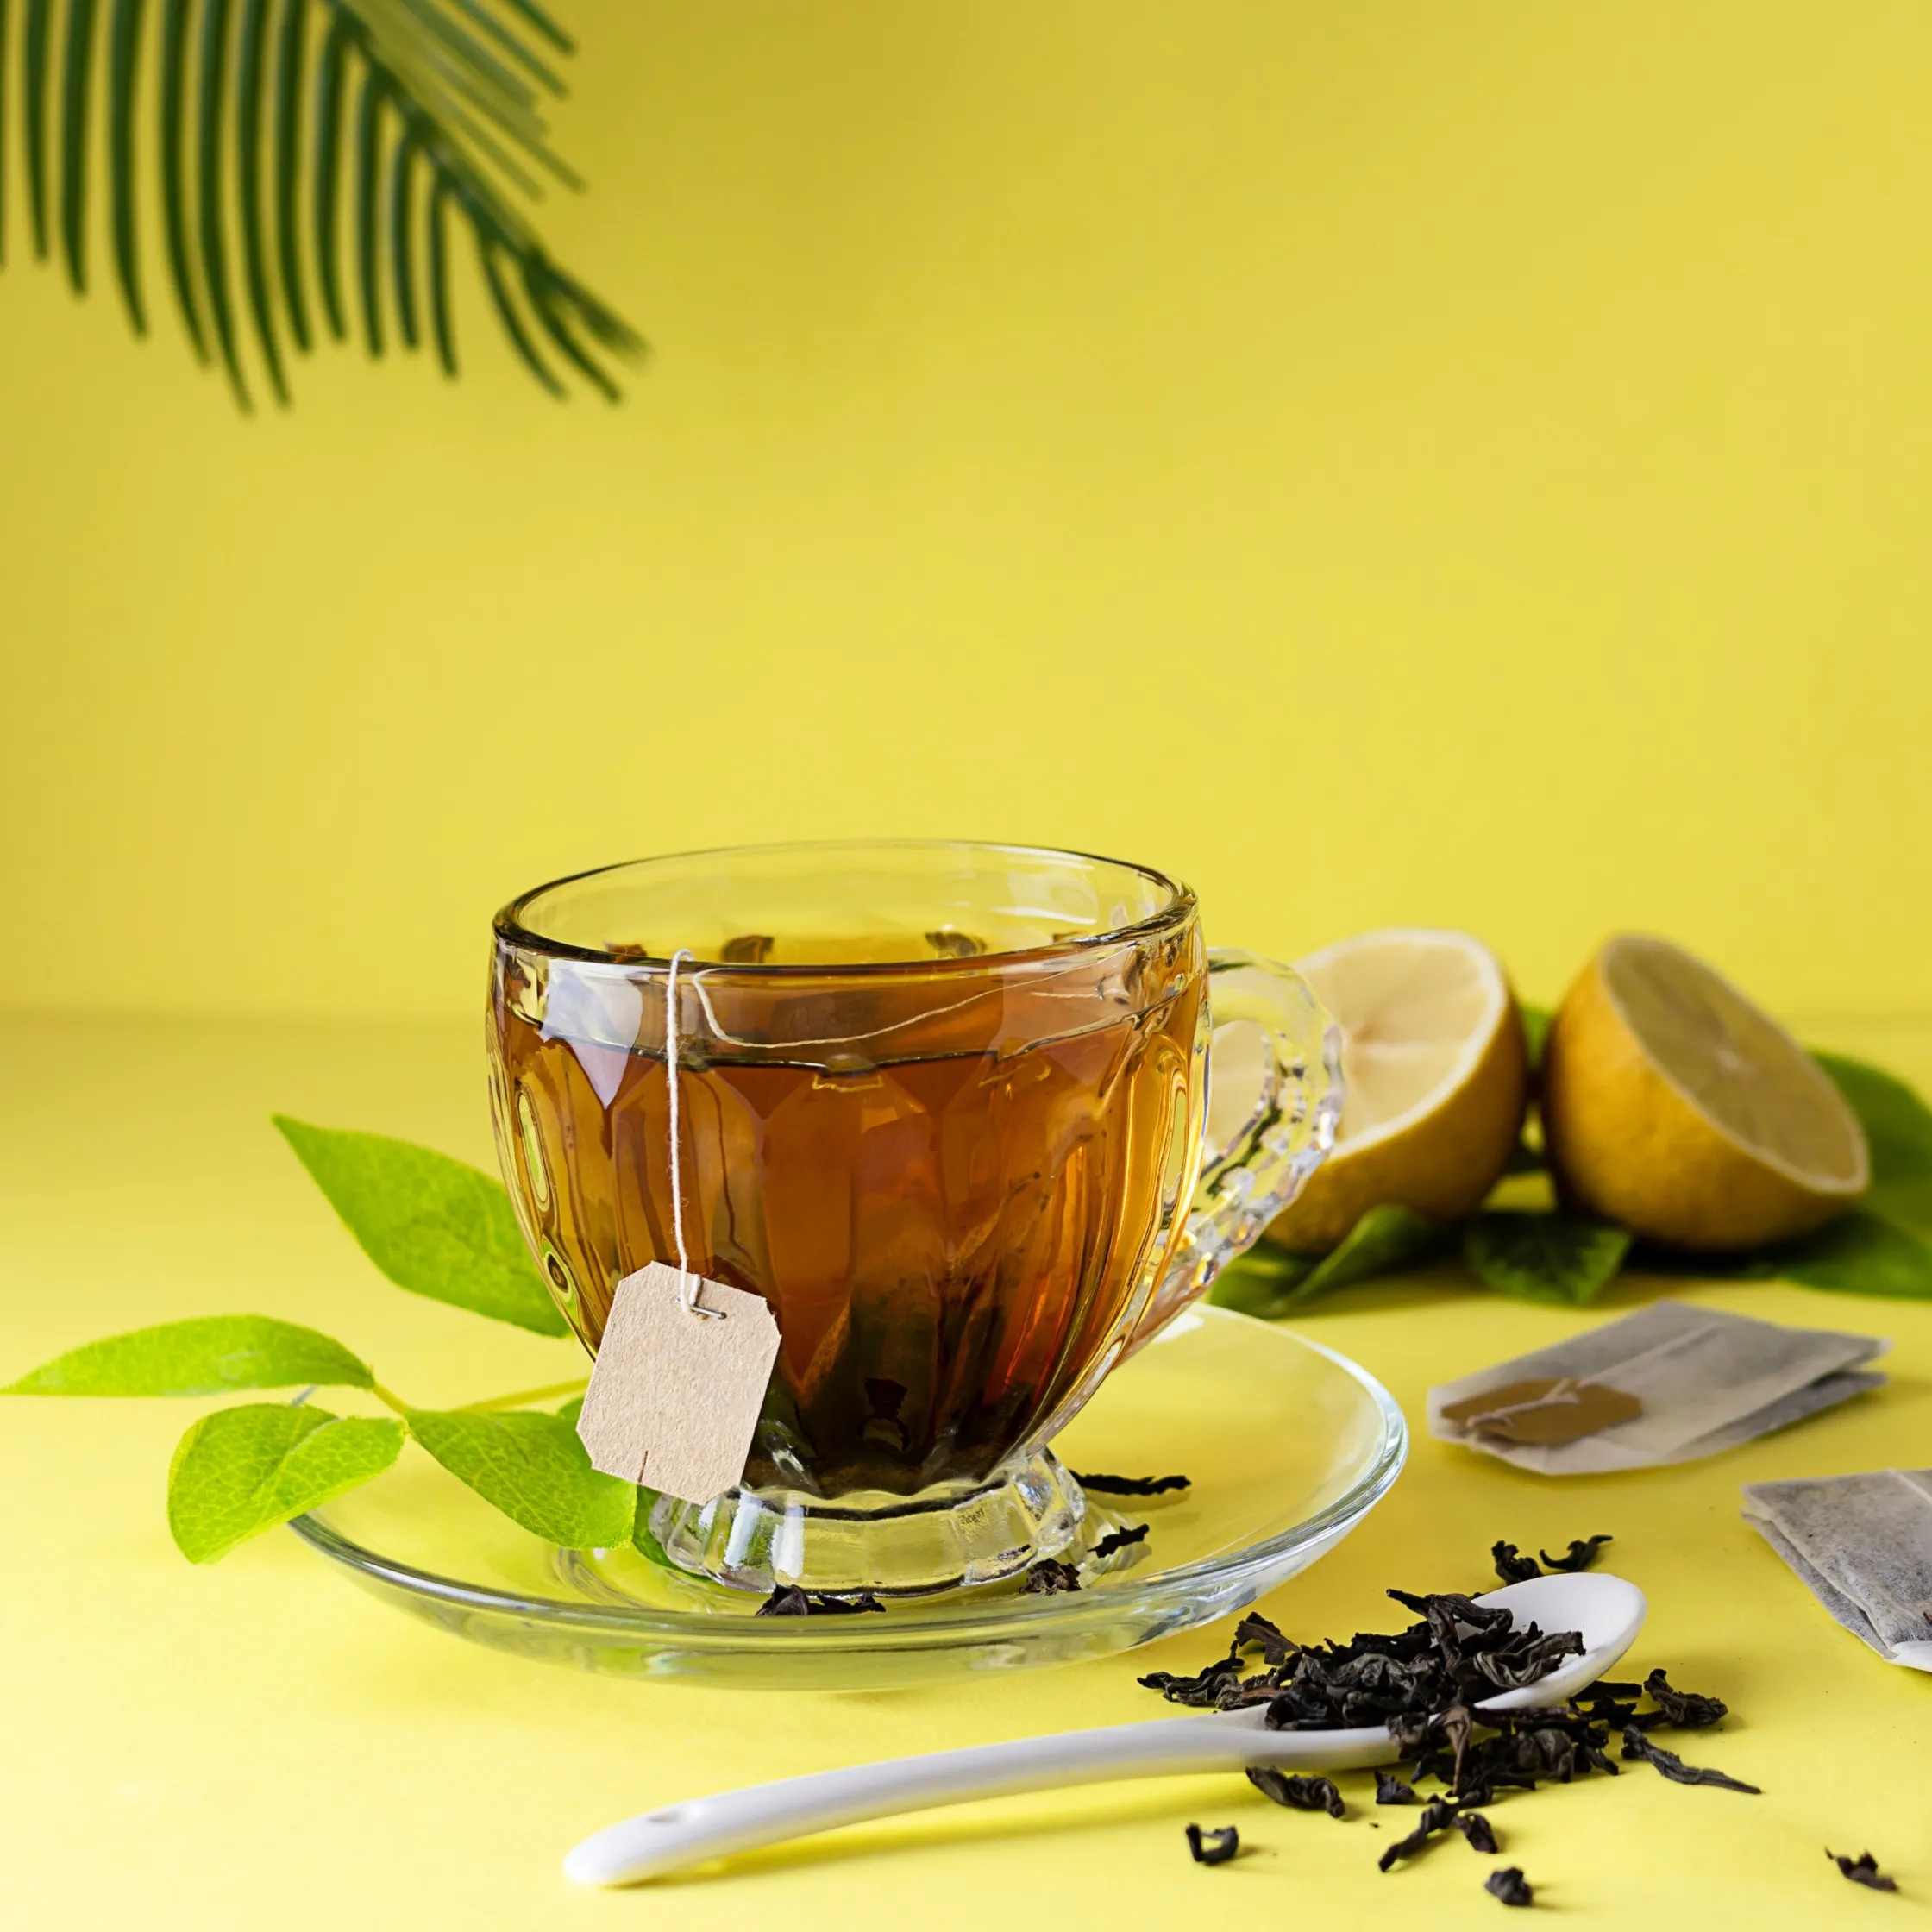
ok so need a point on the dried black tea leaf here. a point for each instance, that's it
(1636, 1744)
(1512, 1568)
(788, 1600)
(1451, 1604)
(1049, 1577)
(1510, 1886)
(1582, 1555)
(1299, 1794)
(1436, 1815)
(1213, 1848)
(1390, 1790)
(1477, 1830)
(1119, 1540)
(1862, 1870)
(1257, 1633)
(1683, 1709)
(1130, 1485)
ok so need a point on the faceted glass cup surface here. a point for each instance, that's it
(940, 1106)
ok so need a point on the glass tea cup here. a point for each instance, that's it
(943, 1105)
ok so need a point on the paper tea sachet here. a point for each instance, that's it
(1863, 1546)
(1667, 1384)
(678, 1383)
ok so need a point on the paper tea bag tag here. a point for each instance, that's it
(675, 1391)
(1548, 1411)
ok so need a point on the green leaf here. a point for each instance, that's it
(533, 1468)
(124, 64)
(455, 90)
(1899, 1129)
(435, 1225)
(1384, 1239)
(210, 172)
(175, 22)
(242, 1470)
(643, 1539)
(291, 47)
(208, 1356)
(1859, 1253)
(76, 73)
(1536, 1032)
(37, 37)
(251, 80)
(1544, 1258)
(1260, 1283)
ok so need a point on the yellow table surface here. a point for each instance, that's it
(261, 1743)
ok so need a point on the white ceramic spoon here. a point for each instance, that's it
(1606, 1611)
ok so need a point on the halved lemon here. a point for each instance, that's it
(1433, 1054)
(1673, 1105)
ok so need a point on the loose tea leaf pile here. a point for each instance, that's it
(1458, 1653)
(1424, 1684)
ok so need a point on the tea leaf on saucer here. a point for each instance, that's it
(533, 1468)
(1899, 1130)
(208, 1356)
(435, 1225)
(242, 1470)
(1857, 1254)
(1544, 1258)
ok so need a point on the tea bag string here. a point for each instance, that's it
(688, 1283)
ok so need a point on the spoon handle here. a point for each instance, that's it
(655, 1843)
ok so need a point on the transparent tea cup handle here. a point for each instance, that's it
(1287, 1135)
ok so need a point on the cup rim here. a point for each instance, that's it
(1181, 907)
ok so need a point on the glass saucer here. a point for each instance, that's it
(1287, 1447)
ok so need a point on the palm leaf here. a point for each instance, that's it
(268, 117)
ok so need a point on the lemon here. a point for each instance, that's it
(1433, 1054)
(1671, 1104)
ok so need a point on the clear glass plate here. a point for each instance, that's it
(1287, 1447)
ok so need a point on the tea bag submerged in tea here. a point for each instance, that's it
(1667, 1384)
(1863, 1545)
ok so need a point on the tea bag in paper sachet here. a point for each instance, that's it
(1667, 1384)
(1863, 1546)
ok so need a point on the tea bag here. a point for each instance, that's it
(679, 1378)
(1667, 1384)
(1863, 1546)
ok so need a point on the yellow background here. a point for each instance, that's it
(1390, 463)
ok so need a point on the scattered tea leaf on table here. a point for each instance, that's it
(532, 1467)
(1859, 1253)
(1544, 1258)
(1899, 1130)
(435, 1225)
(207, 1356)
(242, 1470)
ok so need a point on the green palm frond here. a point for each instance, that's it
(307, 157)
